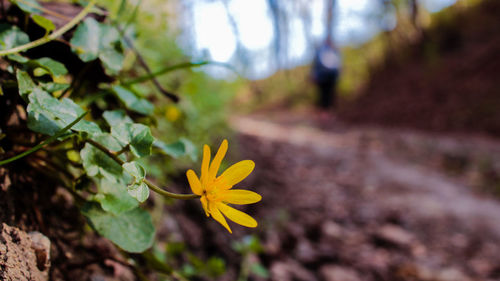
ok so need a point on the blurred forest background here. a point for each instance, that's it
(401, 181)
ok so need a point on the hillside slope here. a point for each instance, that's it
(448, 81)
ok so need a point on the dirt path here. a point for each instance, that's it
(373, 204)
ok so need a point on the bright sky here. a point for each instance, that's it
(214, 34)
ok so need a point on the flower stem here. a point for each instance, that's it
(53, 35)
(163, 192)
(151, 185)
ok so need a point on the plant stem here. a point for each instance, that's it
(165, 70)
(105, 150)
(144, 65)
(45, 142)
(151, 185)
(123, 150)
(163, 192)
(53, 35)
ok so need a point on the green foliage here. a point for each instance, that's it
(98, 164)
(249, 244)
(115, 117)
(94, 40)
(133, 230)
(137, 136)
(47, 115)
(11, 36)
(104, 158)
(137, 189)
(28, 6)
(51, 66)
(113, 197)
(132, 102)
(24, 83)
(213, 267)
(178, 149)
(44, 22)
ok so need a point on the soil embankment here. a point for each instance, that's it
(447, 81)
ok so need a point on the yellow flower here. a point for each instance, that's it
(172, 113)
(216, 192)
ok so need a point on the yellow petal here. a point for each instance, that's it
(217, 215)
(237, 216)
(239, 196)
(204, 164)
(204, 204)
(235, 174)
(214, 166)
(194, 182)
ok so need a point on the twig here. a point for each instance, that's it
(53, 35)
(144, 65)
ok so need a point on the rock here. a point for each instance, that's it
(19, 257)
(394, 235)
(331, 230)
(305, 252)
(482, 267)
(290, 270)
(424, 273)
(272, 243)
(451, 274)
(41, 245)
(121, 272)
(338, 273)
(374, 259)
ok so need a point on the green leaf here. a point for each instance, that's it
(52, 66)
(40, 71)
(133, 231)
(18, 58)
(135, 170)
(191, 149)
(54, 87)
(24, 83)
(138, 136)
(85, 41)
(11, 36)
(107, 140)
(114, 198)
(176, 149)
(112, 60)
(111, 53)
(93, 40)
(28, 6)
(138, 189)
(48, 115)
(97, 163)
(44, 22)
(115, 117)
(132, 102)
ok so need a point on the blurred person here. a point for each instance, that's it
(325, 72)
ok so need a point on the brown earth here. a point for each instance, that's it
(356, 204)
